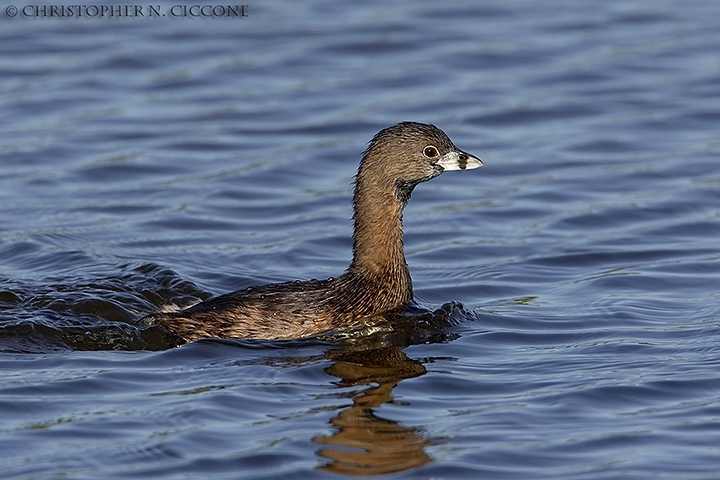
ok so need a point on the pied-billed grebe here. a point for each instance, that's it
(377, 282)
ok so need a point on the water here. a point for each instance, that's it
(574, 278)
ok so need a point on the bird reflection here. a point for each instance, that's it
(365, 444)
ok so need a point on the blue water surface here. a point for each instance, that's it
(568, 292)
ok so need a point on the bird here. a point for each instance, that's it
(376, 284)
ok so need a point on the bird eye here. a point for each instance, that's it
(430, 151)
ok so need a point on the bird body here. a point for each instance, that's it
(377, 282)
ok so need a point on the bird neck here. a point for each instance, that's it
(378, 252)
